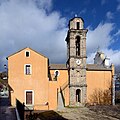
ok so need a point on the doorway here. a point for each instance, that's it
(78, 95)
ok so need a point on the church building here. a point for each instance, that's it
(44, 86)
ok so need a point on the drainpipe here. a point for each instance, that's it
(113, 84)
(113, 90)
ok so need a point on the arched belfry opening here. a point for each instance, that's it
(77, 45)
(78, 95)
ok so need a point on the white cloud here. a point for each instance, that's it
(90, 57)
(45, 4)
(23, 23)
(118, 7)
(101, 37)
(118, 33)
(109, 15)
(114, 56)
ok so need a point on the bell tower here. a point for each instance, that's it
(76, 61)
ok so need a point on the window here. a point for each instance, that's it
(78, 46)
(29, 97)
(27, 53)
(78, 25)
(78, 93)
(28, 70)
(56, 73)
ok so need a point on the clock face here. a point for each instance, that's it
(78, 62)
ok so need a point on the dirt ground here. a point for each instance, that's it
(92, 113)
(110, 110)
(81, 113)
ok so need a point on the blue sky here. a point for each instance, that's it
(42, 25)
(93, 11)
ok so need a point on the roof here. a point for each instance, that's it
(76, 17)
(97, 67)
(24, 49)
(58, 67)
(94, 67)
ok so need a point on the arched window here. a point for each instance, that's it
(78, 45)
(78, 95)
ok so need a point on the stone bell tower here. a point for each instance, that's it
(76, 61)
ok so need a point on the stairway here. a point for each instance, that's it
(60, 101)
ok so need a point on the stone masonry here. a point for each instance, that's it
(76, 54)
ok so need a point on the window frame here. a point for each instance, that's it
(32, 97)
(30, 69)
